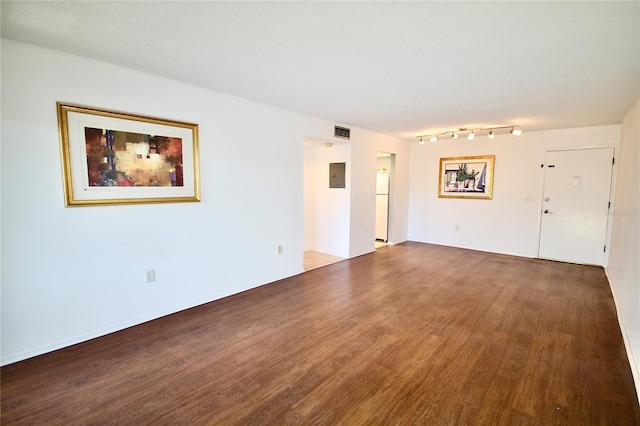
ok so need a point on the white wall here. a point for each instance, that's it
(71, 274)
(624, 257)
(508, 223)
(326, 210)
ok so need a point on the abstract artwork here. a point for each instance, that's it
(112, 158)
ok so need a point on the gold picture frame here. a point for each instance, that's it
(112, 158)
(466, 177)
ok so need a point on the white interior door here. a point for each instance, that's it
(575, 206)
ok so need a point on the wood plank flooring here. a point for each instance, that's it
(413, 334)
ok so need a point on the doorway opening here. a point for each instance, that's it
(326, 207)
(384, 183)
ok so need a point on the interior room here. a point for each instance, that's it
(506, 134)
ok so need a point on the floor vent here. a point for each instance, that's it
(342, 132)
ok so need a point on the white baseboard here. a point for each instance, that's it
(633, 362)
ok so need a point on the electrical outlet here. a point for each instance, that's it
(150, 275)
(279, 250)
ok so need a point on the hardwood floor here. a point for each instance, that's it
(413, 334)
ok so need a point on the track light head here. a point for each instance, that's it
(471, 136)
(421, 141)
(491, 135)
(433, 138)
(516, 132)
(454, 135)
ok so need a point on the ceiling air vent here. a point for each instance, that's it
(342, 132)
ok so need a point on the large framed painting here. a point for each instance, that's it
(466, 177)
(111, 158)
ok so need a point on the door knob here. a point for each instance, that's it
(547, 212)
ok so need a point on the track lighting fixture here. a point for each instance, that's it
(470, 132)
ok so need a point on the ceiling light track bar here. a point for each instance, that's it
(471, 133)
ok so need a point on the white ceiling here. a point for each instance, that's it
(400, 68)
